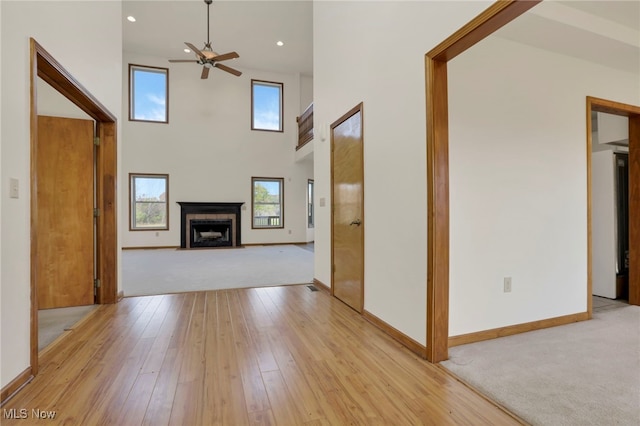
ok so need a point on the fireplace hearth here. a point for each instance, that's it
(209, 224)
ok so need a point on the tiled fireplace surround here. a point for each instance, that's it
(210, 211)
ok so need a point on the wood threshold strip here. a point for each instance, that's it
(481, 395)
(479, 336)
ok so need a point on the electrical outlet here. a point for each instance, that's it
(507, 284)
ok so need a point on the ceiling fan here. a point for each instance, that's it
(207, 57)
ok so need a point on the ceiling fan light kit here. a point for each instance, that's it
(207, 57)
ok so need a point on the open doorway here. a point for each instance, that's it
(66, 175)
(616, 220)
(610, 192)
(103, 262)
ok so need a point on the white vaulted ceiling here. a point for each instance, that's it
(605, 32)
(250, 28)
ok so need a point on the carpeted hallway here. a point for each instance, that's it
(585, 373)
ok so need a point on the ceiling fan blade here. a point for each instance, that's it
(182, 60)
(195, 49)
(205, 72)
(225, 56)
(228, 69)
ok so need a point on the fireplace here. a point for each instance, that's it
(209, 224)
(211, 233)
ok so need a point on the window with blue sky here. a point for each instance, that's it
(149, 197)
(148, 94)
(266, 105)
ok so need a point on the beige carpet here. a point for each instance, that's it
(586, 373)
(147, 272)
(53, 322)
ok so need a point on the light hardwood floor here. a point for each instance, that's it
(275, 355)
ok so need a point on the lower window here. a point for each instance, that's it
(267, 202)
(148, 202)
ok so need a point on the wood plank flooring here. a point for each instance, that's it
(262, 356)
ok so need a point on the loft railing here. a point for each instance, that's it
(305, 127)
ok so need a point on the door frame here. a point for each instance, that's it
(45, 66)
(632, 112)
(344, 117)
(437, 103)
(490, 20)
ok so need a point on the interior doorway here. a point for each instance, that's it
(632, 167)
(45, 67)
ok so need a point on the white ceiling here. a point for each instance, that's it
(250, 28)
(606, 32)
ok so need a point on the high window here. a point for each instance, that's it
(267, 202)
(148, 202)
(266, 106)
(148, 94)
(310, 203)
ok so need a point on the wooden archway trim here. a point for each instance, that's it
(496, 16)
(633, 113)
(43, 65)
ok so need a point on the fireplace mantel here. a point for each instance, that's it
(189, 208)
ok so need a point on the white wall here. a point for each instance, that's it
(306, 92)
(69, 31)
(374, 52)
(517, 163)
(612, 128)
(604, 220)
(518, 181)
(210, 152)
(52, 103)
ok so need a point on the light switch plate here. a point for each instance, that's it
(14, 188)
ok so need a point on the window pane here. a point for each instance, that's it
(149, 197)
(267, 106)
(151, 215)
(148, 94)
(267, 203)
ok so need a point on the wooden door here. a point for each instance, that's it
(347, 219)
(64, 264)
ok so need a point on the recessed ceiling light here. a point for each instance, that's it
(187, 50)
(131, 18)
(280, 43)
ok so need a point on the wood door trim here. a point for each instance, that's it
(633, 113)
(344, 117)
(43, 65)
(494, 17)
